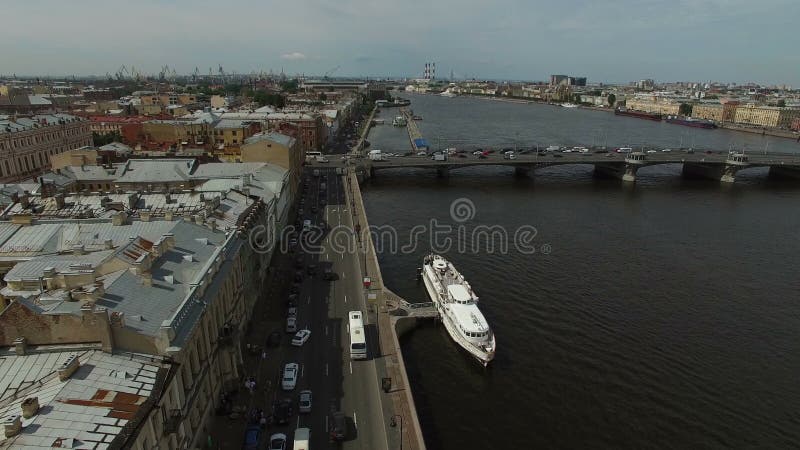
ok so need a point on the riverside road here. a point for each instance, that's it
(337, 383)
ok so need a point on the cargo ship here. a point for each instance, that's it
(638, 114)
(689, 122)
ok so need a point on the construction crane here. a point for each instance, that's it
(330, 72)
(122, 72)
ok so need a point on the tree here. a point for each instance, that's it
(685, 109)
(102, 139)
(290, 86)
(781, 103)
(612, 99)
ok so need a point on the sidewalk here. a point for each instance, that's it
(227, 431)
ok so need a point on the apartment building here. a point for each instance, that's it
(657, 105)
(26, 143)
(134, 316)
(766, 116)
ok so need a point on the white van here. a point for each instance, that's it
(301, 436)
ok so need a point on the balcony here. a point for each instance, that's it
(172, 421)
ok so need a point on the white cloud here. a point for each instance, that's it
(293, 56)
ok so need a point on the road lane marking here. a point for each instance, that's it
(351, 367)
(345, 299)
(298, 422)
(342, 256)
(326, 369)
(326, 424)
(344, 275)
(355, 419)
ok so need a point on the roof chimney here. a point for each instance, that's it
(77, 249)
(108, 244)
(12, 425)
(168, 215)
(20, 345)
(30, 406)
(118, 218)
(68, 367)
(59, 200)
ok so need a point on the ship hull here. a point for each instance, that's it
(639, 115)
(693, 123)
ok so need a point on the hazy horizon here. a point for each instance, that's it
(716, 40)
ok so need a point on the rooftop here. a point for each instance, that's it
(87, 410)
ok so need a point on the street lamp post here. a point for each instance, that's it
(393, 424)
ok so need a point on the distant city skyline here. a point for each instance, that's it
(716, 40)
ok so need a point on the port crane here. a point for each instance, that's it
(330, 72)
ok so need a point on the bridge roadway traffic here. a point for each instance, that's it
(715, 165)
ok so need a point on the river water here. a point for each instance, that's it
(660, 316)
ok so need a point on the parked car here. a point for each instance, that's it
(305, 401)
(482, 156)
(292, 311)
(291, 324)
(289, 379)
(666, 150)
(301, 337)
(251, 437)
(277, 441)
(282, 411)
(328, 275)
(311, 270)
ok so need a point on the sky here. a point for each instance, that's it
(604, 40)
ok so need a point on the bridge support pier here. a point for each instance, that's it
(522, 172)
(725, 173)
(443, 172)
(784, 172)
(626, 172)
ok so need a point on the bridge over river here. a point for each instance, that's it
(709, 165)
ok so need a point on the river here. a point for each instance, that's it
(664, 315)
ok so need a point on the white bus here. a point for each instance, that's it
(358, 342)
(312, 156)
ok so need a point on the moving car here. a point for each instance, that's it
(301, 337)
(301, 437)
(338, 427)
(277, 441)
(290, 373)
(305, 401)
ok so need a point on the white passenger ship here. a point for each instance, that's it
(458, 308)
